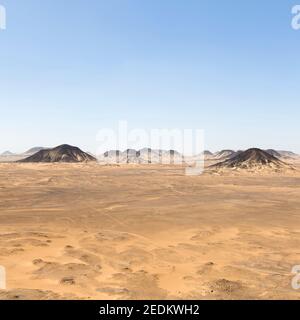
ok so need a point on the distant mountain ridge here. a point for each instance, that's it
(142, 156)
(34, 150)
(148, 155)
(7, 154)
(287, 154)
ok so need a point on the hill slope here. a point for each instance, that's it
(63, 153)
(252, 159)
(224, 154)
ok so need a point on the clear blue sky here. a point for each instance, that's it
(69, 68)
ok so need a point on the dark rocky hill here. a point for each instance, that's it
(63, 153)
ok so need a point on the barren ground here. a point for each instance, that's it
(147, 232)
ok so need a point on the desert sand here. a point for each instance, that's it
(85, 231)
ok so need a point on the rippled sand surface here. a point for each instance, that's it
(86, 231)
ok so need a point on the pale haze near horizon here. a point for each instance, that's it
(70, 69)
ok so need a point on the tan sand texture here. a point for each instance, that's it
(85, 231)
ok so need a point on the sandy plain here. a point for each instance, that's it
(84, 231)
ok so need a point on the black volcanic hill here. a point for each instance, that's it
(63, 153)
(252, 159)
